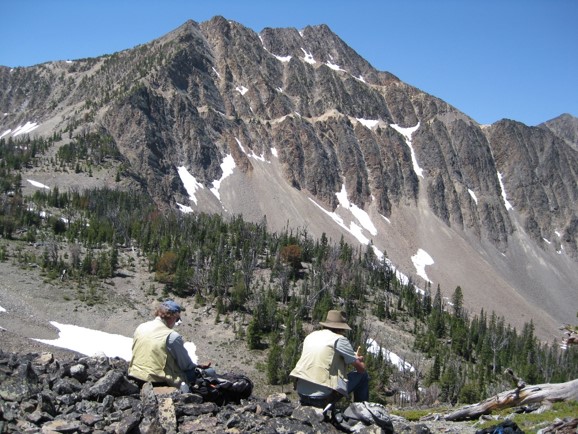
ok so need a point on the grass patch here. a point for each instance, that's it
(531, 423)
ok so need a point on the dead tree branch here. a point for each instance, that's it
(540, 393)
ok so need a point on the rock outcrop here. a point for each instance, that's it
(39, 394)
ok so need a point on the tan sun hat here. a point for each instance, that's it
(335, 320)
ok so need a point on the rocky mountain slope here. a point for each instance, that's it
(566, 127)
(296, 126)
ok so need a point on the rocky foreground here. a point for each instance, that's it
(39, 394)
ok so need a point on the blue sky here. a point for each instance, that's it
(492, 59)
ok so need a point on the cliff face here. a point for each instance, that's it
(296, 126)
(540, 171)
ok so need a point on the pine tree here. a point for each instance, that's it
(436, 321)
(253, 335)
(274, 360)
(458, 302)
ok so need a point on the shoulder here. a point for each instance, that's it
(343, 344)
(174, 337)
(146, 325)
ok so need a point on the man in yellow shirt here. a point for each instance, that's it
(158, 352)
(320, 373)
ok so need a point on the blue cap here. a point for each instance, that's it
(172, 306)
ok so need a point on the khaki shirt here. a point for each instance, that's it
(321, 367)
(150, 358)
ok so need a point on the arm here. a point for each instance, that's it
(176, 348)
(343, 347)
(359, 365)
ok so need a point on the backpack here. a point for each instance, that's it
(362, 414)
(223, 388)
(506, 427)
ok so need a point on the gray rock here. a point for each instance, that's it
(106, 405)
(60, 426)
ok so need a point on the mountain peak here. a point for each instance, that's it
(297, 126)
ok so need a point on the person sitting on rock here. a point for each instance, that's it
(158, 352)
(320, 373)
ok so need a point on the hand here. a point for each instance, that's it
(359, 365)
(204, 365)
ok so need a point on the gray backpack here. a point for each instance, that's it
(361, 414)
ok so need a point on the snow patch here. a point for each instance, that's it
(308, 57)
(242, 90)
(420, 260)
(369, 123)
(473, 195)
(241, 146)
(25, 129)
(90, 342)
(374, 348)
(227, 167)
(357, 232)
(378, 253)
(252, 154)
(407, 133)
(334, 66)
(2, 309)
(357, 212)
(283, 59)
(274, 152)
(38, 184)
(507, 204)
(190, 183)
(184, 208)
(354, 230)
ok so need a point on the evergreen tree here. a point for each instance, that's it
(274, 360)
(253, 335)
(458, 302)
(437, 321)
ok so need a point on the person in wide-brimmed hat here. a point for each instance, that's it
(320, 373)
(158, 352)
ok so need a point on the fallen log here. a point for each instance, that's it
(540, 393)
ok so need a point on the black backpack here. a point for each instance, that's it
(506, 427)
(223, 388)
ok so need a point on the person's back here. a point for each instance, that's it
(150, 361)
(320, 373)
(319, 366)
(158, 352)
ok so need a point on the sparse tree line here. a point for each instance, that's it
(280, 281)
